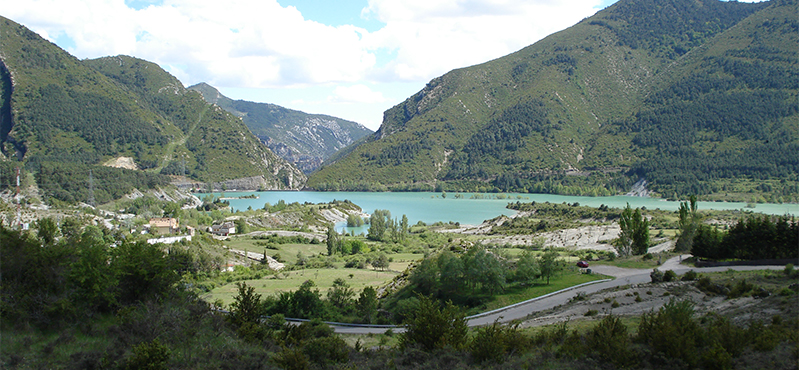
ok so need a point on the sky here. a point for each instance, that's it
(351, 59)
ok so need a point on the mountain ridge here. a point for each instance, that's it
(301, 138)
(556, 116)
(63, 118)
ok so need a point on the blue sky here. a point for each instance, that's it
(352, 59)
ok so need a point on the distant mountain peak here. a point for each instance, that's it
(304, 139)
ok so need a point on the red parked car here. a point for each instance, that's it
(582, 264)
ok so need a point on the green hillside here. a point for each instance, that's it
(565, 115)
(62, 117)
(305, 140)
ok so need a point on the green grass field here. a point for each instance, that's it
(635, 262)
(291, 280)
(516, 294)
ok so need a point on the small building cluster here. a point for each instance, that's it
(223, 229)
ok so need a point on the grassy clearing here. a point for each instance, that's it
(371, 340)
(516, 293)
(291, 280)
(636, 262)
(287, 252)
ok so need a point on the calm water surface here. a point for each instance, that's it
(431, 207)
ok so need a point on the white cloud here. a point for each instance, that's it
(260, 44)
(433, 37)
(356, 94)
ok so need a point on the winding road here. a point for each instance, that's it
(521, 310)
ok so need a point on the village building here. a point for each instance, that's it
(224, 229)
(164, 226)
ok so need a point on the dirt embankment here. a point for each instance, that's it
(643, 298)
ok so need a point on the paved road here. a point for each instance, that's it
(621, 276)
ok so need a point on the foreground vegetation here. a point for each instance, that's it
(60, 310)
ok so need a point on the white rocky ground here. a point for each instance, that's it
(652, 297)
(273, 263)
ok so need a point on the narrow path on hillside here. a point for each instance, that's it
(170, 148)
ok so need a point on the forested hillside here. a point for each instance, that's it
(696, 97)
(63, 118)
(306, 140)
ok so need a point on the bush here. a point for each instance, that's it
(656, 276)
(149, 355)
(691, 275)
(432, 326)
(494, 342)
(610, 342)
(790, 271)
(591, 313)
(669, 275)
(327, 349)
(672, 331)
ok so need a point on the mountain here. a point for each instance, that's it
(64, 119)
(306, 140)
(692, 96)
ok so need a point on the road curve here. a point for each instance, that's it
(518, 311)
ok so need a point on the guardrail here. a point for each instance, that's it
(534, 299)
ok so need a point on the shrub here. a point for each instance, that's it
(691, 275)
(672, 331)
(716, 358)
(292, 359)
(149, 355)
(432, 326)
(327, 349)
(656, 276)
(790, 271)
(494, 342)
(615, 304)
(669, 275)
(610, 341)
(591, 313)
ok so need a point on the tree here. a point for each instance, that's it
(451, 274)
(306, 301)
(47, 230)
(377, 224)
(527, 268)
(432, 326)
(340, 296)
(367, 304)
(143, 270)
(90, 275)
(634, 237)
(354, 220)
(549, 264)
(689, 223)
(404, 227)
(246, 306)
(425, 277)
(241, 226)
(484, 268)
(332, 241)
(381, 262)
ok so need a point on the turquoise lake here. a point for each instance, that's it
(431, 207)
